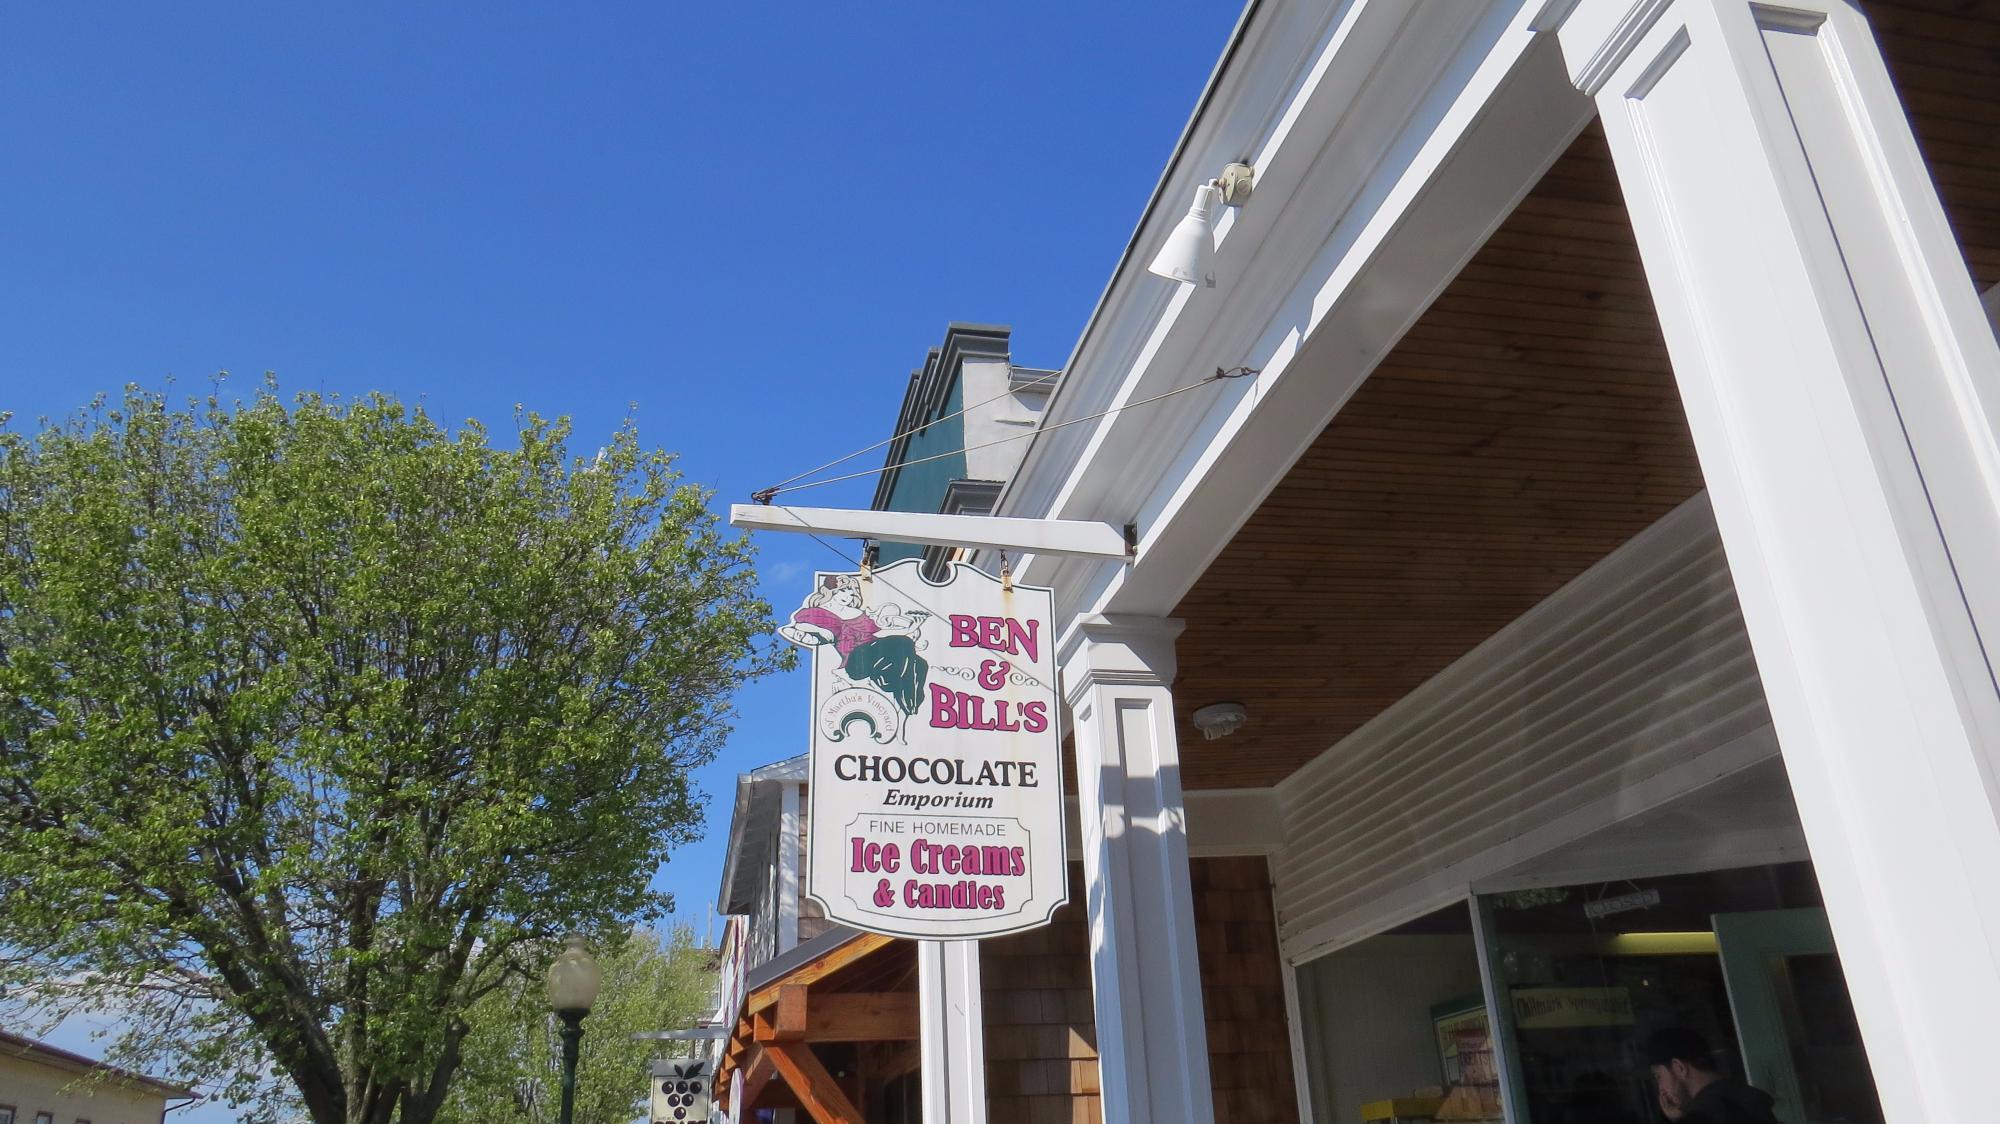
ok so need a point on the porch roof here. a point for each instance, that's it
(1525, 424)
(1524, 427)
(841, 986)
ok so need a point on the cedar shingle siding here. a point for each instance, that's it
(1041, 1038)
(1243, 992)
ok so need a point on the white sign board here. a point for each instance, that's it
(935, 809)
(680, 1092)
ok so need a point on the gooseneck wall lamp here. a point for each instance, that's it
(573, 982)
(1188, 256)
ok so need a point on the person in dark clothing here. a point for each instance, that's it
(1691, 1089)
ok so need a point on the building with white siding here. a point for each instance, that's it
(1601, 553)
(43, 1084)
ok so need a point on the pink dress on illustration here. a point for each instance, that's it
(848, 634)
(878, 647)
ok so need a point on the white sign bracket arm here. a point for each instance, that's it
(1076, 538)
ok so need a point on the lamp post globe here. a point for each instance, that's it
(573, 982)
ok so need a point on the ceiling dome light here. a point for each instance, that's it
(1219, 720)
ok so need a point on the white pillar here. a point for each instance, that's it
(1842, 389)
(1152, 1044)
(790, 881)
(952, 1028)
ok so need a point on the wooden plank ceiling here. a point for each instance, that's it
(1526, 425)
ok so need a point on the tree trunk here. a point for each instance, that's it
(421, 1105)
(324, 1096)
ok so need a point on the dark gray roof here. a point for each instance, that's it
(781, 965)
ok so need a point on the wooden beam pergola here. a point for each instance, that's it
(818, 968)
(772, 1039)
(757, 1074)
(812, 971)
(851, 1016)
(815, 1087)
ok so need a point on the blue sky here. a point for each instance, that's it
(744, 222)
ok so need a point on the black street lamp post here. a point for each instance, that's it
(573, 982)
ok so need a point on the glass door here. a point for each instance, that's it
(1795, 1024)
(1583, 977)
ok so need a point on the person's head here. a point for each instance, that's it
(1681, 1062)
(840, 594)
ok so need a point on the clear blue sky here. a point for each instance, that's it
(747, 221)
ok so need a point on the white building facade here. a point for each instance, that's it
(1606, 556)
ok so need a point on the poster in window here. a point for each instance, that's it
(1465, 1055)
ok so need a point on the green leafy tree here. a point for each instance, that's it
(512, 1068)
(320, 722)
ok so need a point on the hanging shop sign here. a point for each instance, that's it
(680, 1091)
(935, 808)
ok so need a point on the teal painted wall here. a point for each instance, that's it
(921, 487)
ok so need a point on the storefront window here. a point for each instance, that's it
(1737, 961)
(1396, 1027)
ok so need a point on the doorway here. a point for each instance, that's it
(1801, 1039)
(1585, 974)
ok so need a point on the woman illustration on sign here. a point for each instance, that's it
(878, 648)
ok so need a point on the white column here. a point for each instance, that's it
(789, 871)
(1841, 386)
(1152, 1044)
(952, 1026)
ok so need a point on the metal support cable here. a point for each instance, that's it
(765, 495)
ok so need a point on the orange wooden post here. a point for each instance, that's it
(757, 1073)
(790, 1023)
(816, 1088)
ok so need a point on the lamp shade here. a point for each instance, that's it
(574, 978)
(1189, 253)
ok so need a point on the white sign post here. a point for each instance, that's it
(936, 801)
